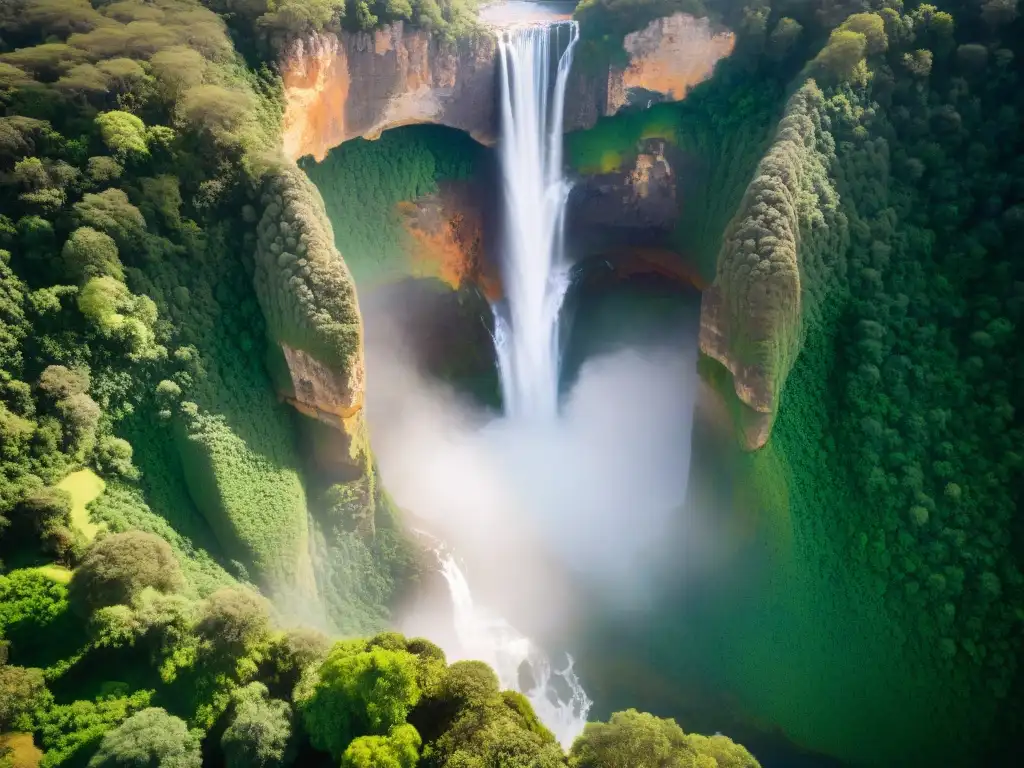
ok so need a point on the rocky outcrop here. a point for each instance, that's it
(666, 58)
(448, 237)
(361, 84)
(321, 393)
(309, 302)
(780, 264)
(626, 209)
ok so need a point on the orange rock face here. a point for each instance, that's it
(322, 394)
(316, 85)
(361, 84)
(448, 238)
(673, 54)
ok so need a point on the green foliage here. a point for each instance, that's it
(765, 291)
(123, 133)
(23, 695)
(30, 602)
(303, 285)
(121, 317)
(260, 732)
(399, 749)
(641, 740)
(119, 566)
(69, 732)
(149, 738)
(122, 508)
(358, 691)
(88, 253)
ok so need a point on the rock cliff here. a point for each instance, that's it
(338, 87)
(666, 59)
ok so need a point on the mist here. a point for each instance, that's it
(543, 513)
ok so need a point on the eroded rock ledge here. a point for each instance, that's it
(339, 87)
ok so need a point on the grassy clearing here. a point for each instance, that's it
(84, 486)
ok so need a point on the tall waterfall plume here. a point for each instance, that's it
(535, 272)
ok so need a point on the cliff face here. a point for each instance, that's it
(339, 87)
(666, 59)
(361, 84)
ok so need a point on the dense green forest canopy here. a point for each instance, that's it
(155, 255)
(859, 164)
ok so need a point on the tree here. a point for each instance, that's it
(121, 316)
(837, 61)
(260, 732)
(123, 133)
(872, 27)
(641, 740)
(357, 692)
(22, 692)
(103, 169)
(119, 566)
(234, 620)
(399, 749)
(149, 739)
(88, 253)
(783, 37)
(60, 383)
(114, 457)
(110, 211)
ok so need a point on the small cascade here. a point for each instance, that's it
(556, 695)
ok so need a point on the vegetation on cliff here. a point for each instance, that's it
(880, 242)
(364, 182)
(155, 255)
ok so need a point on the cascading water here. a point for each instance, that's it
(534, 269)
(526, 337)
(557, 696)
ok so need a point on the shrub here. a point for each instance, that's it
(260, 732)
(119, 566)
(149, 738)
(88, 253)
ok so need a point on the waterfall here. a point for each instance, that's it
(535, 278)
(535, 273)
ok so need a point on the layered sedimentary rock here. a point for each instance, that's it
(666, 58)
(338, 87)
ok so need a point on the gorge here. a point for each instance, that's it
(395, 383)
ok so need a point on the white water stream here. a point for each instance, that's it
(526, 337)
(534, 270)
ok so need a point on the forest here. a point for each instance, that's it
(856, 202)
(158, 602)
(857, 211)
